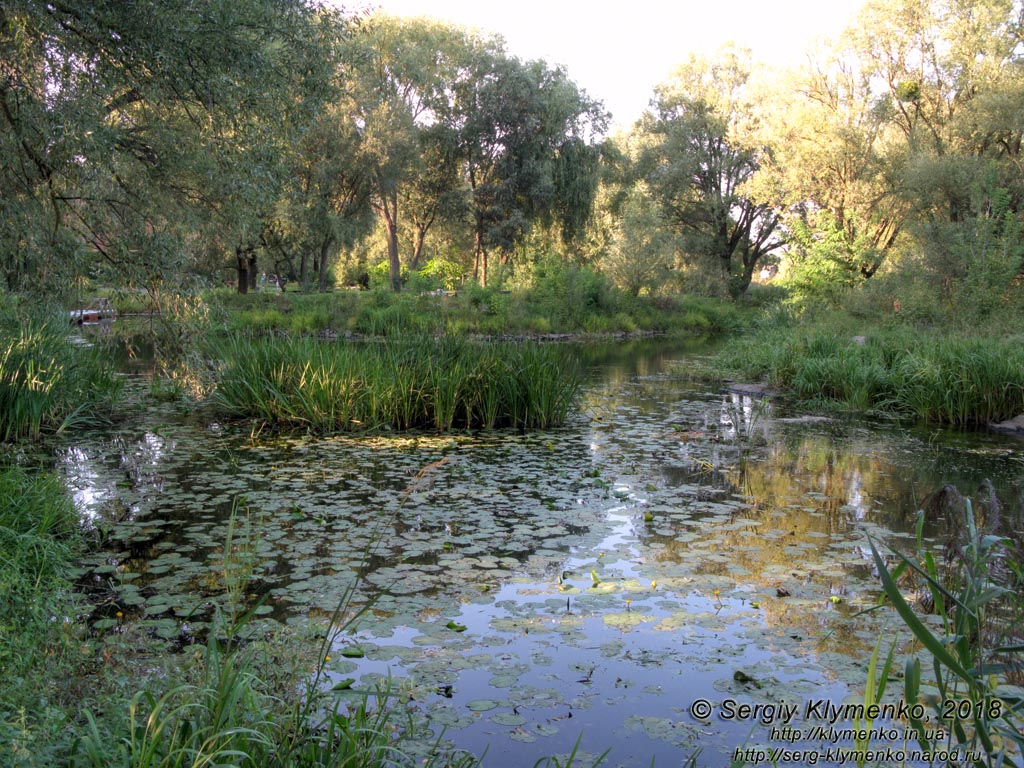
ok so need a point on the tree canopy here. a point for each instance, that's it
(153, 143)
(139, 131)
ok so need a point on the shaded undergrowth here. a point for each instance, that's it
(39, 541)
(425, 383)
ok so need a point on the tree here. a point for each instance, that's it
(135, 131)
(944, 73)
(402, 73)
(838, 165)
(436, 190)
(641, 250)
(701, 150)
(325, 206)
(528, 140)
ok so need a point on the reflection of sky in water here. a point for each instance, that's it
(83, 477)
(110, 477)
(740, 503)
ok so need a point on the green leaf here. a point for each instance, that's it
(921, 632)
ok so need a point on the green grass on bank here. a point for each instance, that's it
(420, 383)
(475, 311)
(927, 374)
(39, 541)
(48, 383)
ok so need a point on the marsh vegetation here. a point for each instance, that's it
(336, 504)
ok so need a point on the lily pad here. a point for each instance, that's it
(482, 705)
(507, 718)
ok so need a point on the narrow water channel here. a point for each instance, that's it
(671, 544)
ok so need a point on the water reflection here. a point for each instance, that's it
(667, 538)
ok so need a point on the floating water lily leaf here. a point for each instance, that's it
(503, 681)
(456, 627)
(353, 652)
(344, 684)
(507, 718)
(482, 705)
(626, 619)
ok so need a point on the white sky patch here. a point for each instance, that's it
(619, 52)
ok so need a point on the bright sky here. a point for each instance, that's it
(618, 52)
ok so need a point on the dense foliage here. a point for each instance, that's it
(156, 147)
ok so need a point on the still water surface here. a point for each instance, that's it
(671, 544)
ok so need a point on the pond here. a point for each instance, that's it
(672, 544)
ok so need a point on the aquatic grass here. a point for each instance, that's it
(47, 383)
(39, 542)
(474, 310)
(37, 523)
(423, 383)
(962, 382)
(973, 651)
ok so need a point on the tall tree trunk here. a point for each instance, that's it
(417, 248)
(389, 209)
(304, 272)
(480, 261)
(325, 249)
(251, 257)
(243, 270)
(479, 252)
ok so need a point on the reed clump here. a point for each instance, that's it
(423, 383)
(49, 384)
(962, 382)
(968, 680)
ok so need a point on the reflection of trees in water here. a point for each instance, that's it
(806, 490)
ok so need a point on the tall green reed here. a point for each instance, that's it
(972, 652)
(961, 382)
(39, 542)
(47, 383)
(423, 383)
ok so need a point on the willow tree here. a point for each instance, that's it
(530, 143)
(947, 75)
(324, 205)
(838, 164)
(401, 77)
(701, 148)
(136, 132)
(907, 128)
